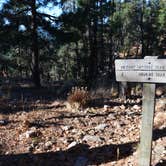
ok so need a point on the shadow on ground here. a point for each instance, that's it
(159, 133)
(18, 98)
(163, 163)
(94, 156)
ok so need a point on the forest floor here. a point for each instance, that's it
(45, 132)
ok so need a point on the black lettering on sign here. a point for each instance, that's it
(146, 74)
(160, 74)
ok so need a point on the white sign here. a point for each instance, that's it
(141, 70)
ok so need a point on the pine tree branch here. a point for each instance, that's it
(51, 17)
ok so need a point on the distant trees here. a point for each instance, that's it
(23, 20)
(83, 42)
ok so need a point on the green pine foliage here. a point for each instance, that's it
(83, 42)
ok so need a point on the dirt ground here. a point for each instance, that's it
(46, 132)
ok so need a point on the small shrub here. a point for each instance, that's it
(78, 97)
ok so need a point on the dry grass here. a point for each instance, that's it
(78, 98)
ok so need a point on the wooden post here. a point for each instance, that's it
(147, 124)
(149, 70)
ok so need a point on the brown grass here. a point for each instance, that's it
(78, 97)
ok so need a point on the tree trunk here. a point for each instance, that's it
(102, 57)
(93, 60)
(78, 61)
(142, 29)
(35, 49)
(111, 43)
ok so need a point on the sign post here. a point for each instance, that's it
(147, 124)
(149, 70)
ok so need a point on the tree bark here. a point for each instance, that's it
(35, 49)
(93, 59)
(102, 57)
(142, 29)
(78, 61)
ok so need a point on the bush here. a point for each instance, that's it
(78, 97)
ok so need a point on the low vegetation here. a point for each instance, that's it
(79, 97)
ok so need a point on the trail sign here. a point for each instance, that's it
(141, 70)
(149, 70)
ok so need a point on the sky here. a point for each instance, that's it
(55, 11)
(1, 2)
